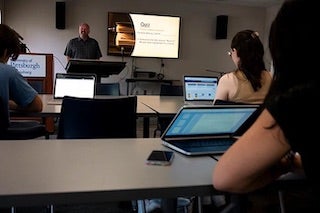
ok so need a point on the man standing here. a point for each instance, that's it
(83, 46)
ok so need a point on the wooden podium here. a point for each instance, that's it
(42, 80)
(37, 69)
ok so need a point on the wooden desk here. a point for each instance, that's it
(53, 110)
(42, 172)
(134, 80)
(163, 105)
(147, 106)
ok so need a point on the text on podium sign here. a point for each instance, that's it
(30, 65)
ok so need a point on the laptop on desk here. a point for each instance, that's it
(207, 130)
(199, 90)
(73, 84)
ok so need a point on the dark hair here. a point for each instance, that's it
(293, 44)
(10, 40)
(250, 51)
(294, 48)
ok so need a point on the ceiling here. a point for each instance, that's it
(254, 3)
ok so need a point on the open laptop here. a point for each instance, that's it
(73, 84)
(199, 90)
(207, 130)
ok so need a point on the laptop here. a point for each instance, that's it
(208, 130)
(73, 84)
(199, 90)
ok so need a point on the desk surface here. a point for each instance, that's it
(147, 105)
(41, 172)
(54, 109)
(163, 105)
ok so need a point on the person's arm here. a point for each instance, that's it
(225, 85)
(67, 51)
(35, 106)
(99, 54)
(255, 159)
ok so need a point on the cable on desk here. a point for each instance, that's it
(214, 158)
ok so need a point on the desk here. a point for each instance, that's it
(53, 110)
(38, 172)
(134, 80)
(163, 105)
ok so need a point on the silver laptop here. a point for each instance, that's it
(199, 90)
(208, 130)
(73, 84)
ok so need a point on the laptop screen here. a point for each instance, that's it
(75, 85)
(213, 120)
(200, 87)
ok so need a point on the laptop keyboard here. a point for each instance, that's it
(216, 142)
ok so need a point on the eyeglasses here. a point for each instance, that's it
(230, 51)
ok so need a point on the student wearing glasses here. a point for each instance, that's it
(282, 139)
(250, 82)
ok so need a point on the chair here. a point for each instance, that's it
(167, 90)
(98, 118)
(84, 118)
(19, 129)
(108, 89)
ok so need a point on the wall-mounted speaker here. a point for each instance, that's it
(60, 15)
(222, 27)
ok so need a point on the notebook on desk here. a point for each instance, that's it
(72, 84)
(207, 130)
(199, 90)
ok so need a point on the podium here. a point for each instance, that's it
(100, 68)
(37, 69)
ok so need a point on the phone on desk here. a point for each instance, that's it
(160, 157)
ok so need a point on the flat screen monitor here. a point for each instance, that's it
(100, 68)
(143, 35)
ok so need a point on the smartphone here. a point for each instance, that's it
(160, 157)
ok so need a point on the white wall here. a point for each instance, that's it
(1, 8)
(199, 50)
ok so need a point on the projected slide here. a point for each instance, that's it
(143, 35)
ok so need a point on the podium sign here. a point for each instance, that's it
(30, 65)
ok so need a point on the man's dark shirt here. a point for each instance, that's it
(80, 49)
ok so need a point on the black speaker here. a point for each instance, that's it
(222, 27)
(60, 15)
